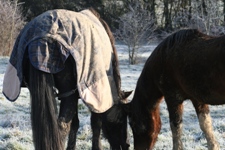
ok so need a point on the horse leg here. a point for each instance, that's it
(73, 133)
(68, 119)
(66, 115)
(65, 81)
(205, 122)
(175, 114)
(96, 126)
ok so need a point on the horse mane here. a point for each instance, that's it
(115, 62)
(182, 36)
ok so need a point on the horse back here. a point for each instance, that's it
(189, 65)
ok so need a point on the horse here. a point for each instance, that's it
(187, 65)
(113, 123)
(56, 78)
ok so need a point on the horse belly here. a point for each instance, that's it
(216, 97)
(209, 92)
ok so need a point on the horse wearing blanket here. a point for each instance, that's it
(69, 55)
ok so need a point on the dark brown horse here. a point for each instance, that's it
(45, 60)
(186, 65)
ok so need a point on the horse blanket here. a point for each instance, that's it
(50, 38)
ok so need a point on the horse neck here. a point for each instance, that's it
(147, 95)
(140, 98)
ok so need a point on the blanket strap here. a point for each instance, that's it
(66, 94)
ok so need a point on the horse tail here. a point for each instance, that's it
(115, 61)
(46, 134)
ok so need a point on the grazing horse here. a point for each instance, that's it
(186, 65)
(68, 55)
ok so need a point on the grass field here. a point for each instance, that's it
(15, 127)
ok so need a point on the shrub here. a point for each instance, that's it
(11, 22)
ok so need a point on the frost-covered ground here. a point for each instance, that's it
(15, 128)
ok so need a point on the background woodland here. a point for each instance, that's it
(134, 22)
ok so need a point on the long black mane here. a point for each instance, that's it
(180, 37)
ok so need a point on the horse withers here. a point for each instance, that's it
(186, 65)
(69, 55)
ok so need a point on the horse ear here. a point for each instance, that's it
(124, 97)
(126, 94)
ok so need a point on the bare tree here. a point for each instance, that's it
(135, 29)
(11, 21)
(206, 15)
